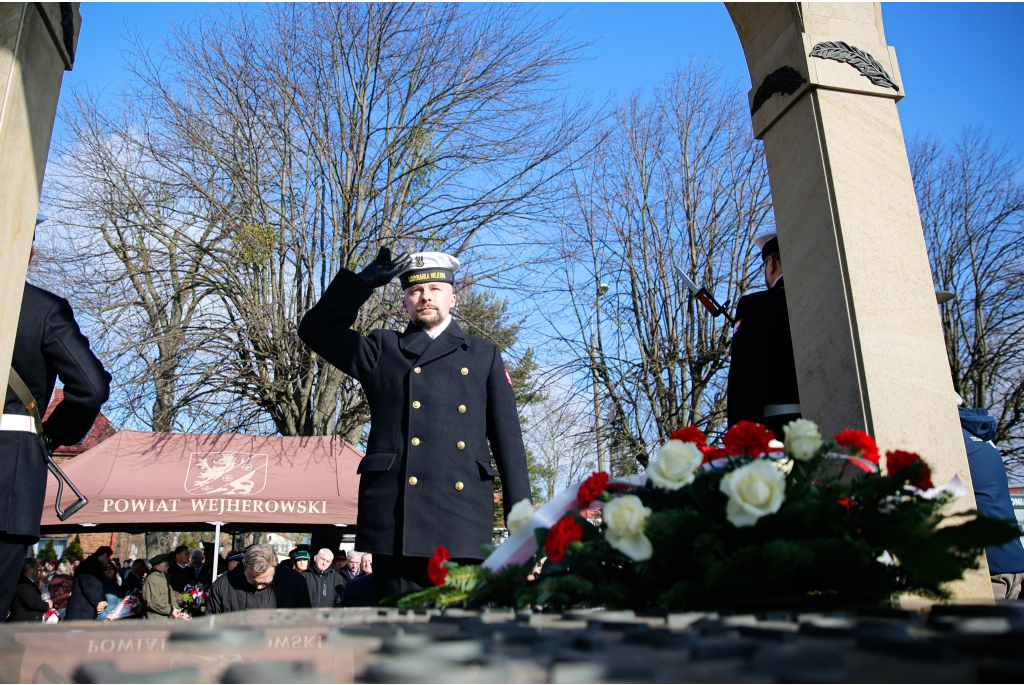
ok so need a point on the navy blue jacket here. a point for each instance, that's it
(991, 488)
(762, 370)
(48, 345)
(435, 406)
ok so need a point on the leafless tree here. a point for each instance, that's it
(306, 136)
(677, 181)
(971, 198)
(127, 245)
(560, 439)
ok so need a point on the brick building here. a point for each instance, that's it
(101, 429)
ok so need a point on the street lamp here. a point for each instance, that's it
(602, 288)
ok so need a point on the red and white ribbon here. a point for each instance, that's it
(522, 544)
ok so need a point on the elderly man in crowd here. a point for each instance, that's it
(325, 584)
(259, 582)
(158, 599)
(366, 565)
(351, 568)
(202, 573)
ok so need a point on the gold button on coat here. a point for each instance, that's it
(465, 371)
(416, 404)
(417, 370)
(459, 485)
(462, 409)
(413, 480)
(461, 445)
(415, 441)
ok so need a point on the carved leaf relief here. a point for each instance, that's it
(784, 80)
(867, 65)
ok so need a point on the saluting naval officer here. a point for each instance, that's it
(47, 345)
(762, 374)
(438, 397)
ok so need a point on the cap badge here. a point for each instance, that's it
(419, 261)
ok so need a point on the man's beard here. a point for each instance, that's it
(428, 317)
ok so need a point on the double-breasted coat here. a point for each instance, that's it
(48, 345)
(762, 371)
(435, 407)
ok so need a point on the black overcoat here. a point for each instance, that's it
(28, 603)
(762, 371)
(435, 406)
(48, 344)
(86, 591)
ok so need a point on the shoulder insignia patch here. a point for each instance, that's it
(736, 326)
(508, 378)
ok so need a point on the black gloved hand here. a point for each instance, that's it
(382, 269)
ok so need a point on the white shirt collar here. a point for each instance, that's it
(439, 329)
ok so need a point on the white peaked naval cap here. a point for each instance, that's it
(762, 239)
(429, 267)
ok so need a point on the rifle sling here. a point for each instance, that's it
(25, 395)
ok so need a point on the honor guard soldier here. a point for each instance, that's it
(438, 397)
(762, 374)
(48, 345)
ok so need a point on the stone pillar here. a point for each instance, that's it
(866, 333)
(37, 45)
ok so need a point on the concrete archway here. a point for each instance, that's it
(866, 332)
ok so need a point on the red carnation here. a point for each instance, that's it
(897, 461)
(690, 434)
(591, 488)
(713, 453)
(561, 534)
(436, 570)
(859, 441)
(845, 502)
(749, 437)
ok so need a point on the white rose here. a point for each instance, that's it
(520, 514)
(754, 490)
(802, 439)
(676, 466)
(625, 519)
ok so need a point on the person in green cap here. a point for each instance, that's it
(301, 558)
(157, 597)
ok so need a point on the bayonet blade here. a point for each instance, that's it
(689, 284)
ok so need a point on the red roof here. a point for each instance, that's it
(101, 429)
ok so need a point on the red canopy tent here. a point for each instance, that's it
(145, 482)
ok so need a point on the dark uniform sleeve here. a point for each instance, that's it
(86, 383)
(746, 384)
(327, 327)
(506, 436)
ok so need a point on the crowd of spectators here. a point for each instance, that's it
(166, 586)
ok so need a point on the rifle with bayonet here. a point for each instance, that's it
(25, 395)
(705, 297)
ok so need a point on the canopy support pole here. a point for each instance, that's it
(216, 546)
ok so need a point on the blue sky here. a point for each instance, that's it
(961, 62)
